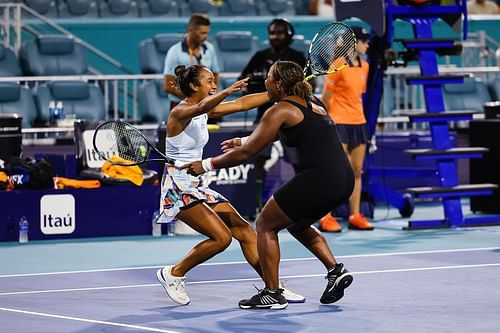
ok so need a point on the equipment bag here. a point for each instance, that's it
(30, 174)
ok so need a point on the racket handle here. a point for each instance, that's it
(178, 164)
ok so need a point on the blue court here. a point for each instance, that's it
(417, 281)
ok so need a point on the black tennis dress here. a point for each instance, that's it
(325, 178)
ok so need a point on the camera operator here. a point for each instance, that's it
(280, 34)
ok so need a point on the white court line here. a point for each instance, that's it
(92, 321)
(398, 270)
(244, 262)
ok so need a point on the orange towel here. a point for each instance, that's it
(61, 182)
(131, 173)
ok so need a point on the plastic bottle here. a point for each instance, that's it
(52, 116)
(23, 230)
(156, 227)
(60, 110)
(171, 229)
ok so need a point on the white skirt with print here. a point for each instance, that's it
(180, 190)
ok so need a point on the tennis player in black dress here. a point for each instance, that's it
(325, 180)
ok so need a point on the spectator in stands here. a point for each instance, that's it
(193, 49)
(482, 7)
(323, 8)
(342, 94)
(280, 34)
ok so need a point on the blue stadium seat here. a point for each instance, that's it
(238, 8)
(84, 100)
(302, 7)
(152, 51)
(159, 8)
(46, 8)
(52, 55)
(276, 7)
(495, 89)
(471, 95)
(188, 7)
(78, 9)
(301, 44)
(17, 99)
(118, 8)
(153, 101)
(9, 65)
(235, 48)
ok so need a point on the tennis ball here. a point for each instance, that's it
(143, 150)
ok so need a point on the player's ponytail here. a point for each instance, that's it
(292, 77)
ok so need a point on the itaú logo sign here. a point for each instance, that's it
(94, 160)
(57, 214)
(230, 176)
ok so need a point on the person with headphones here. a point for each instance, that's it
(280, 35)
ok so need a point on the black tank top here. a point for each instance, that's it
(316, 140)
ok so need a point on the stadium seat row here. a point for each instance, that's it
(81, 99)
(164, 8)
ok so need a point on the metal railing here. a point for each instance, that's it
(410, 98)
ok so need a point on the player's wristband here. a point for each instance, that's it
(207, 164)
(243, 140)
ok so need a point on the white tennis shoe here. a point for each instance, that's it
(173, 285)
(290, 296)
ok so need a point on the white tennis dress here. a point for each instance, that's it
(178, 188)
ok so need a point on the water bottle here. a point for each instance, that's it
(52, 116)
(156, 227)
(60, 110)
(171, 229)
(23, 230)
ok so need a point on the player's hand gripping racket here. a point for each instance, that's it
(120, 143)
(332, 49)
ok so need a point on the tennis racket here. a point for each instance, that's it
(120, 143)
(332, 49)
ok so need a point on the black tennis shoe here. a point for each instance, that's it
(338, 279)
(265, 299)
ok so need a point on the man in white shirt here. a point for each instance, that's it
(482, 7)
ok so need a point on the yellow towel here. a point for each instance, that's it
(131, 173)
(61, 182)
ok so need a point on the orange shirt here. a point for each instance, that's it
(347, 87)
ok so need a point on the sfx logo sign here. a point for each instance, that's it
(230, 176)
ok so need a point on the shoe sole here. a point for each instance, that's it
(160, 278)
(332, 231)
(296, 300)
(342, 283)
(350, 227)
(269, 306)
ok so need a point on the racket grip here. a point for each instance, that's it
(178, 164)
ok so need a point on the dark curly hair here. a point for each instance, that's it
(292, 77)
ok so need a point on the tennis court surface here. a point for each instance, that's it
(420, 281)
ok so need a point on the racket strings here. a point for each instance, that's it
(121, 143)
(332, 48)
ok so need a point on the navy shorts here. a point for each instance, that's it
(353, 135)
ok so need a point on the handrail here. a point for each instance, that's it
(97, 77)
(412, 70)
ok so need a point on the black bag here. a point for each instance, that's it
(30, 174)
